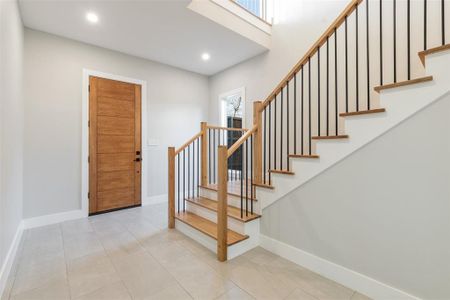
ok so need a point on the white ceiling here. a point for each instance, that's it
(160, 30)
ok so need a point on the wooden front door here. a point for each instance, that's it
(114, 144)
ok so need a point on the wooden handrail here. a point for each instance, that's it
(241, 140)
(323, 38)
(188, 142)
(227, 128)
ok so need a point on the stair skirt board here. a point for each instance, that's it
(211, 243)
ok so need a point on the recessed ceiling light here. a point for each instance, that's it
(206, 56)
(92, 17)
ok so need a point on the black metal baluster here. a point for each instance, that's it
(409, 37)
(287, 125)
(281, 130)
(443, 22)
(367, 55)
(336, 82)
(302, 113)
(193, 169)
(270, 141)
(198, 166)
(264, 143)
(246, 177)
(251, 174)
(357, 57)
(242, 180)
(214, 155)
(424, 24)
(328, 87)
(189, 172)
(295, 113)
(318, 91)
(178, 182)
(209, 156)
(395, 40)
(275, 134)
(346, 66)
(381, 42)
(184, 181)
(309, 105)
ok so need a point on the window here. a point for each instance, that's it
(253, 6)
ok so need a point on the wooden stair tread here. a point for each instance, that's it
(363, 112)
(330, 137)
(234, 189)
(403, 83)
(233, 211)
(207, 227)
(262, 185)
(286, 172)
(303, 156)
(424, 53)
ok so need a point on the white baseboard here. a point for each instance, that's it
(354, 280)
(53, 218)
(77, 214)
(154, 199)
(9, 259)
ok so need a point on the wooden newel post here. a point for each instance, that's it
(204, 154)
(257, 147)
(171, 186)
(222, 219)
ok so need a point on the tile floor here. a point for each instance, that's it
(130, 254)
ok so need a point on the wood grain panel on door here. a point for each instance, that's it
(114, 144)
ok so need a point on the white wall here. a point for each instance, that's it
(384, 211)
(177, 102)
(297, 26)
(11, 125)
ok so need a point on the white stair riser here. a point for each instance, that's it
(210, 243)
(208, 214)
(232, 200)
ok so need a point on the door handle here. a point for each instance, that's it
(138, 156)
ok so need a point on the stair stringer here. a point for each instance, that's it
(401, 103)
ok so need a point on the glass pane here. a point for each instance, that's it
(254, 6)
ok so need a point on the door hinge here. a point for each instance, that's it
(89, 123)
(89, 159)
(89, 195)
(89, 88)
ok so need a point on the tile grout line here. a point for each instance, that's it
(160, 229)
(110, 260)
(149, 253)
(65, 260)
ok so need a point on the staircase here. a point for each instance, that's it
(342, 94)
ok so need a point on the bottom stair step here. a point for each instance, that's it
(233, 212)
(207, 227)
